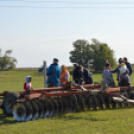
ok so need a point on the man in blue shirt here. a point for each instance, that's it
(129, 67)
(53, 73)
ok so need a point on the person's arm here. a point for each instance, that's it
(116, 70)
(50, 70)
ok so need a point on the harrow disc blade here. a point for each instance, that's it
(29, 111)
(41, 109)
(60, 104)
(101, 101)
(65, 105)
(35, 110)
(19, 112)
(46, 108)
(51, 107)
(74, 102)
(80, 102)
(107, 102)
(55, 103)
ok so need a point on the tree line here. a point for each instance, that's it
(7, 62)
(92, 55)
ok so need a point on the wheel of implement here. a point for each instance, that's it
(74, 103)
(89, 102)
(46, 108)
(70, 104)
(41, 109)
(35, 110)
(56, 107)
(94, 102)
(51, 108)
(107, 102)
(9, 102)
(101, 102)
(29, 111)
(60, 105)
(19, 112)
(65, 105)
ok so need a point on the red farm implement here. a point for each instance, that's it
(47, 102)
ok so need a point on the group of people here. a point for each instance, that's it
(124, 72)
(58, 76)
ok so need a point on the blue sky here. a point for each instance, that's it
(35, 32)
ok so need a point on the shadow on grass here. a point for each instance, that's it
(4, 120)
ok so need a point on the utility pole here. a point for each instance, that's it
(45, 78)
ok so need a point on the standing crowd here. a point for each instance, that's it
(124, 72)
(58, 76)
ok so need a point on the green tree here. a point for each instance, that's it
(7, 62)
(94, 55)
(102, 53)
(81, 53)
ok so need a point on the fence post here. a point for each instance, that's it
(45, 78)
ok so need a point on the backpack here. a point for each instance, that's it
(88, 78)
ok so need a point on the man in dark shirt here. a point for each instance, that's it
(78, 74)
(129, 67)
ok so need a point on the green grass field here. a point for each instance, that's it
(113, 121)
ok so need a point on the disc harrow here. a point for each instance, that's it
(48, 102)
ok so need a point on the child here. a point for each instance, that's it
(27, 84)
(122, 70)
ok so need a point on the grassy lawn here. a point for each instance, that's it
(115, 121)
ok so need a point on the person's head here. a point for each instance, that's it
(107, 65)
(55, 60)
(122, 64)
(121, 60)
(75, 65)
(28, 79)
(63, 67)
(125, 60)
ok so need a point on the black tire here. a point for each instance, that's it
(29, 111)
(9, 101)
(41, 109)
(35, 110)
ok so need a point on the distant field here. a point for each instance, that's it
(118, 121)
